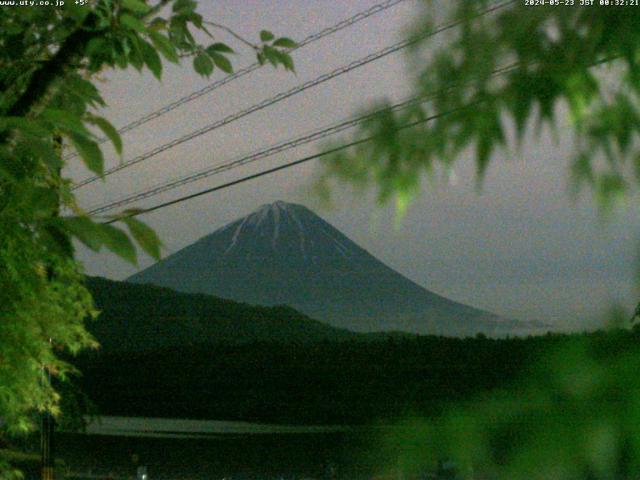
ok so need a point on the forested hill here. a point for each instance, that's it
(177, 355)
(346, 382)
(145, 317)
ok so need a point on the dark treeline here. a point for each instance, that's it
(137, 317)
(355, 381)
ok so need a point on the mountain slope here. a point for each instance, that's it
(285, 254)
(145, 317)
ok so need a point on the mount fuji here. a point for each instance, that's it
(283, 253)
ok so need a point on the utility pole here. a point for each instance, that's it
(46, 438)
(47, 426)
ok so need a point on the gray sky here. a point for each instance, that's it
(522, 247)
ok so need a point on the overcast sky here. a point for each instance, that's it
(521, 247)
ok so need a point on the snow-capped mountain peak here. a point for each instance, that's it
(283, 253)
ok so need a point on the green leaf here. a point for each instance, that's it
(77, 12)
(42, 201)
(120, 56)
(287, 61)
(84, 89)
(222, 62)
(151, 59)
(45, 152)
(136, 6)
(110, 131)
(164, 46)
(135, 56)
(118, 242)
(145, 236)
(203, 65)
(272, 55)
(158, 23)
(99, 51)
(219, 48)
(184, 6)
(65, 120)
(25, 125)
(196, 19)
(266, 36)
(90, 153)
(85, 230)
(56, 239)
(132, 23)
(285, 42)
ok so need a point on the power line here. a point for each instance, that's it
(260, 154)
(271, 150)
(247, 178)
(269, 171)
(380, 7)
(286, 94)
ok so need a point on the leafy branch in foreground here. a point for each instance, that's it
(580, 63)
(576, 415)
(48, 58)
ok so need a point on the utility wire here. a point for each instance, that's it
(288, 93)
(136, 212)
(274, 149)
(380, 7)
(141, 211)
(268, 152)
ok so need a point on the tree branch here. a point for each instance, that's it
(232, 33)
(41, 82)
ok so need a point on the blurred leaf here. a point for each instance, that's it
(164, 46)
(222, 62)
(266, 36)
(26, 125)
(84, 89)
(65, 120)
(151, 59)
(184, 6)
(85, 230)
(287, 61)
(110, 131)
(202, 64)
(145, 236)
(90, 153)
(272, 55)
(118, 242)
(136, 6)
(219, 48)
(285, 42)
(132, 23)
(44, 151)
(158, 23)
(43, 201)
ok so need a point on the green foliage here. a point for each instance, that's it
(516, 66)
(576, 416)
(203, 64)
(44, 306)
(311, 373)
(275, 50)
(48, 58)
(266, 36)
